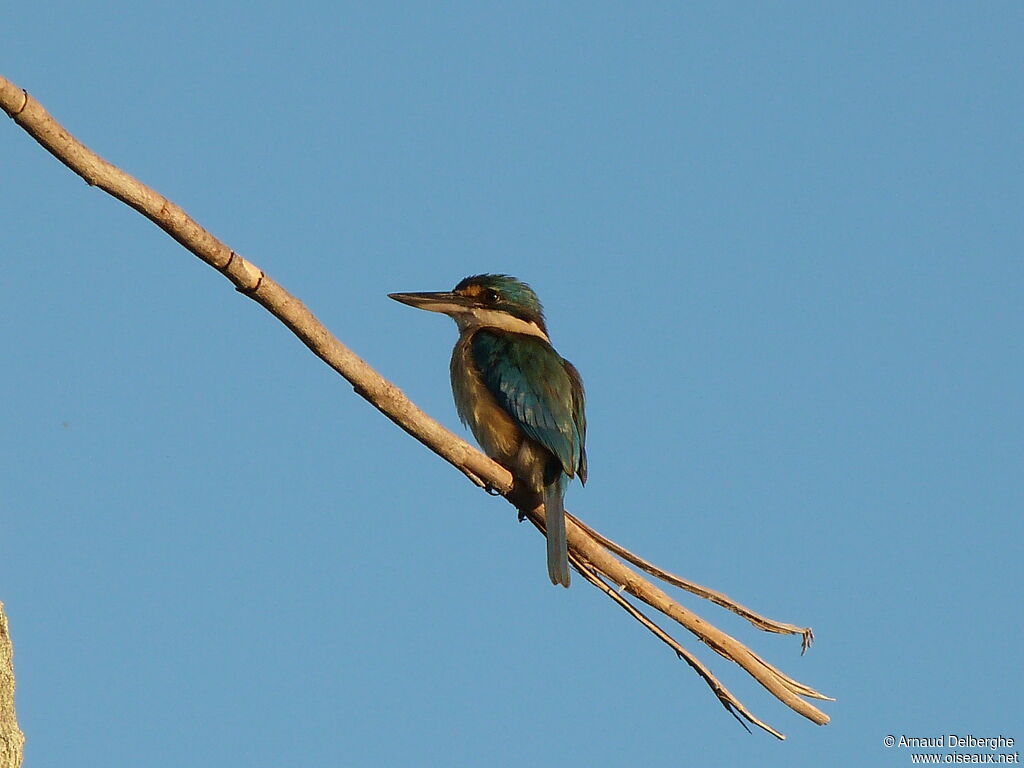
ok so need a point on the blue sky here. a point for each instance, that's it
(781, 242)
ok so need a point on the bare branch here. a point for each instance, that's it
(593, 555)
(251, 281)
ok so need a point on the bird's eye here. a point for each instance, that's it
(489, 295)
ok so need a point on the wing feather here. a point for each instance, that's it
(541, 391)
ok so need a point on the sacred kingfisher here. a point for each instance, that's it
(522, 400)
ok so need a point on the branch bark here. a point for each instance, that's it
(593, 555)
(12, 740)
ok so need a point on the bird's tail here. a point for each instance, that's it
(554, 515)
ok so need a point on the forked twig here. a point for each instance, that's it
(759, 621)
(730, 702)
(595, 556)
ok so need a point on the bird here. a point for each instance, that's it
(523, 402)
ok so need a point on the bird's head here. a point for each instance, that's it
(495, 301)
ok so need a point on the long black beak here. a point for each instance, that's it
(438, 301)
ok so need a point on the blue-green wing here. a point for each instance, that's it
(540, 390)
(579, 416)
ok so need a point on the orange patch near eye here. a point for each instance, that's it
(471, 290)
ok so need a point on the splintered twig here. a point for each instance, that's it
(759, 621)
(730, 702)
